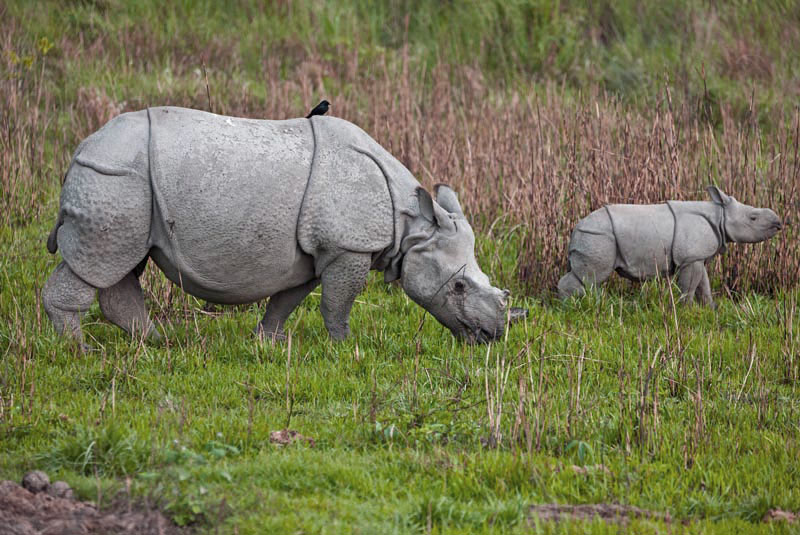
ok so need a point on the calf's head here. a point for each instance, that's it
(743, 223)
(439, 271)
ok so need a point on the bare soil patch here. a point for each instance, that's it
(774, 515)
(52, 510)
(608, 512)
(284, 437)
(622, 514)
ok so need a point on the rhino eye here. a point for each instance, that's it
(753, 217)
(459, 287)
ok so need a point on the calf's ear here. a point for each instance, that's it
(717, 196)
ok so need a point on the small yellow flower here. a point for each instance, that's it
(12, 57)
(44, 45)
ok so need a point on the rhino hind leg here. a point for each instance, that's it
(123, 305)
(66, 298)
(570, 285)
(592, 259)
(280, 306)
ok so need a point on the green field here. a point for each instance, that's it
(619, 398)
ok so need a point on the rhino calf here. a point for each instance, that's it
(235, 210)
(642, 241)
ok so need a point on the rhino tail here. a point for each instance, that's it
(52, 242)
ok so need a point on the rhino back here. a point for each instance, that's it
(644, 234)
(105, 208)
(228, 194)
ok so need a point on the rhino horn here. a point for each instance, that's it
(448, 199)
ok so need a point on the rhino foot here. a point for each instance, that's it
(66, 298)
(264, 333)
(516, 314)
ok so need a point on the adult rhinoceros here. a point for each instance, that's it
(234, 210)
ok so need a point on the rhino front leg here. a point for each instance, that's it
(703, 292)
(66, 298)
(690, 277)
(342, 281)
(123, 305)
(279, 308)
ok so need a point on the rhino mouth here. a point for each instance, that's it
(773, 229)
(477, 334)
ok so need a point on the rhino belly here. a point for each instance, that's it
(204, 283)
(228, 193)
(644, 236)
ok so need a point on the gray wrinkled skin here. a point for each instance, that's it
(235, 210)
(644, 241)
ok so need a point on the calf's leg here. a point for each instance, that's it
(592, 264)
(66, 298)
(123, 305)
(279, 308)
(703, 292)
(342, 281)
(690, 276)
(570, 285)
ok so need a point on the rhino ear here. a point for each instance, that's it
(447, 199)
(717, 196)
(426, 204)
(432, 211)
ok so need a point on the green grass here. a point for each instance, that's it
(714, 54)
(400, 420)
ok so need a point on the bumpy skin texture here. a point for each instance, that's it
(106, 202)
(235, 210)
(643, 241)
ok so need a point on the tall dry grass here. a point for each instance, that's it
(536, 160)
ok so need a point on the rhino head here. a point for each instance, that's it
(440, 273)
(743, 223)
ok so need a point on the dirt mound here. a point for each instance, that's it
(51, 509)
(608, 512)
(284, 437)
(774, 515)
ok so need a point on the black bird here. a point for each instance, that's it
(319, 109)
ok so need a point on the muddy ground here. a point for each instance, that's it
(37, 508)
